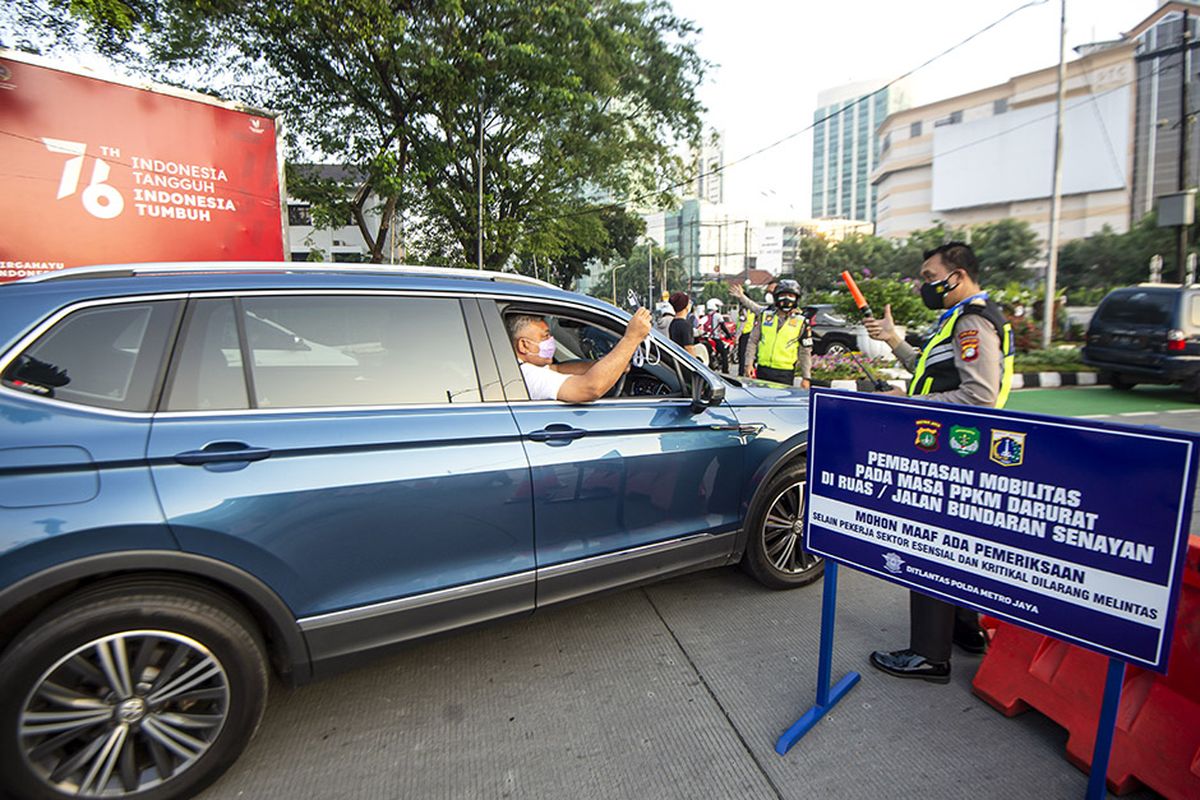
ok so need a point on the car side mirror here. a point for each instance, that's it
(706, 392)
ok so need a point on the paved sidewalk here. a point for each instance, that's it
(678, 690)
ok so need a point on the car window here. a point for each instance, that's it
(1139, 308)
(308, 351)
(1194, 311)
(352, 351)
(208, 373)
(582, 339)
(108, 357)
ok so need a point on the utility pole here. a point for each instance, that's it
(1056, 192)
(1185, 57)
(649, 271)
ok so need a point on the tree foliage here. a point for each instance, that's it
(573, 99)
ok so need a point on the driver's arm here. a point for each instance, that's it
(573, 367)
(603, 374)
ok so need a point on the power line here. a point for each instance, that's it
(793, 135)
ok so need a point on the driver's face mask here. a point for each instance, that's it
(545, 348)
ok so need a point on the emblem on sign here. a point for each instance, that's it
(892, 562)
(964, 441)
(927, 435)
(1008, 448)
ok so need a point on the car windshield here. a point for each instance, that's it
(1139, 308)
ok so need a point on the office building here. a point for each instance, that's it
(988, 155)
(846, 146)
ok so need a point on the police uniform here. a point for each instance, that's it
(780, 346)
(968, 360)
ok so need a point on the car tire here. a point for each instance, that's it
(1121, 383)
(774, 554)
(163, 683)
(834, 347)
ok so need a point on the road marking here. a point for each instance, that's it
(1138, 413)
(1183, 410)
(1094, 416)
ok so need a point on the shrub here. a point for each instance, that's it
(840, 367)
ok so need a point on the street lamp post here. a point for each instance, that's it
(614, 282)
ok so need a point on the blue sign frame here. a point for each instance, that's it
(1074, 528)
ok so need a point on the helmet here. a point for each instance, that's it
(787, 294)
(714, 304)
(787, 286)
(664, 308)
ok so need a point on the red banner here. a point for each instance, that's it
(95, 172)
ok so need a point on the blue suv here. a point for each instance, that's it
(207, 469)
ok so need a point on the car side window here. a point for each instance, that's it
(577, 338)
(108, 356)
(325, 350)
(208, 374)
(1194, 311)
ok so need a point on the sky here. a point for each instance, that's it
(772, 58)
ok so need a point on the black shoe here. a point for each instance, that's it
(974, 642)
(907, 664)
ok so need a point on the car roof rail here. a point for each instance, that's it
(202, 267)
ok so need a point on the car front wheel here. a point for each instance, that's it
(135, 690)
(775, 554)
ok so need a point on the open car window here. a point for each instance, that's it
(579, 338)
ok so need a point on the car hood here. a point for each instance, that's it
(750, 392)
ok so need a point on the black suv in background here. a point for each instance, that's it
(1147, 334)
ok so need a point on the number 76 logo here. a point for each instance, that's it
(99, 199)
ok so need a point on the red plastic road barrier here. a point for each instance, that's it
(1157, 741)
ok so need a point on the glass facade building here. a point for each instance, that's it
(846, 148)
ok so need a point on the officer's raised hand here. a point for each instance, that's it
(884, 329)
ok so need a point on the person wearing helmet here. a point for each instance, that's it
(753, 310)
(664, 313)
(780, 344)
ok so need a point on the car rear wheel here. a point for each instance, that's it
(1121, 383)
(129, 691)
(775, 553)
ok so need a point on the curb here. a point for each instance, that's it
(1021, 380)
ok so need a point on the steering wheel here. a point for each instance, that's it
(618, 387)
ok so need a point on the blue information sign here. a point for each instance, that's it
(1074, 528)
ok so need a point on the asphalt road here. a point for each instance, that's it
(676, 690)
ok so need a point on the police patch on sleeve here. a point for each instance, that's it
(968, 345)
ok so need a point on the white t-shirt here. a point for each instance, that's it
(543, 383)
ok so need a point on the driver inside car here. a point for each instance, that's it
(578, 381)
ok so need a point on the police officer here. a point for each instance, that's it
(780, 344)
(753, 309)
(969, 360)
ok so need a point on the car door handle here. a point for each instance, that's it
(222, 452)
(557, 433)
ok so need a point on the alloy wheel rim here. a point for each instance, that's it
(783, 532)
(124, 713)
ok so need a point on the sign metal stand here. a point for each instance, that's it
(1105, 728)
(827, 698)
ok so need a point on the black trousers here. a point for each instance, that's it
(785, 376)
(933, 623)
(743, 340)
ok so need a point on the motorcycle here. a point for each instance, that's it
(720, 342)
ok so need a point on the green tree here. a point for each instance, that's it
(572, 99)
(901, 294)
(1005, 248)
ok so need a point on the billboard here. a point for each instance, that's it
(1010, 157)
(99, 172)
(1076, 529)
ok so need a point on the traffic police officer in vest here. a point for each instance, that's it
(968, 360)
(753, 310)
(780, 345)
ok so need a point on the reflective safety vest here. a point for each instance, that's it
(778, 345)
(748, 325)
(935, 370)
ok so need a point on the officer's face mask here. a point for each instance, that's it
(786, 302)
(933, 293)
